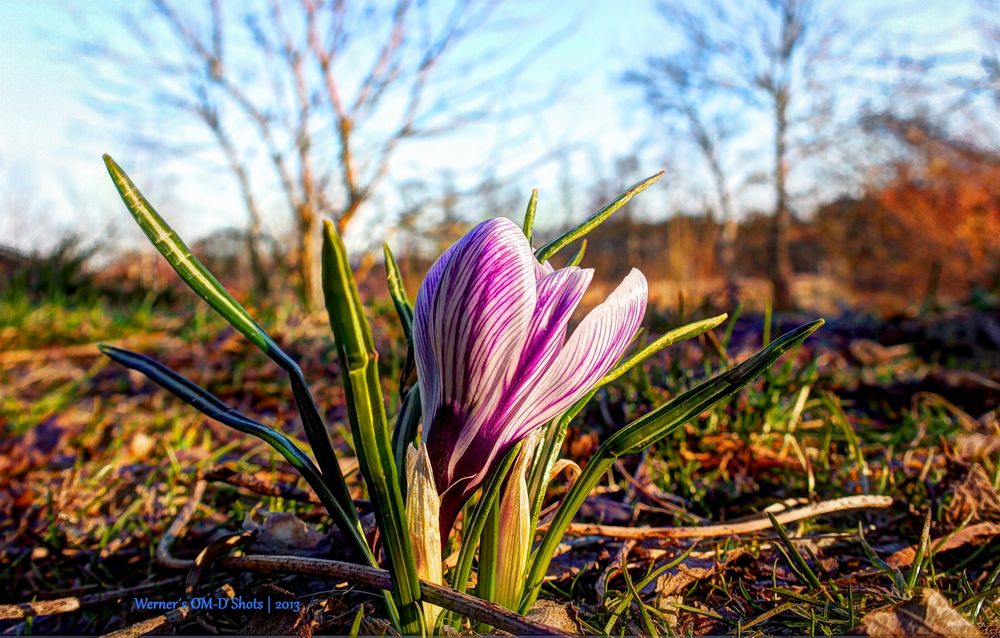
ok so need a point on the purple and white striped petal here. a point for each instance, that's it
(493, 359)
(591, 351)
(558, 294)
(470, 324)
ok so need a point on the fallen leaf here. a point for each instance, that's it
(974, 497)
(284, 533)
(675, 581)
(927, 614)
(968, 535)
(564, 617)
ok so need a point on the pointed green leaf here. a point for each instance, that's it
(401, 301)
(369, 424)
(192, 271)
(647, 430)
(405, 430)
(548, 250)
(578, 255)
(548, 451)
(665, 340)
(211, 406)
(529, 215)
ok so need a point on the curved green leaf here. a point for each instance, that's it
(645, 431)
(211, 406)
(204, 283)
(548, 250)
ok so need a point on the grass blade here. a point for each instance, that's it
(918, 560)
(891, 572)
(369, 424)
(548, 250)
(795, 559)
(206, 286)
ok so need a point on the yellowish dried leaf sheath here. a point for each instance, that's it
(422, 509)
(515, 533)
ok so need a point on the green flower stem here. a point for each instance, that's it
(645, 431)
(369, 424)
(204, 283)
(472, 526)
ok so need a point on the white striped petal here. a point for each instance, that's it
(470, 324)
(591, 351)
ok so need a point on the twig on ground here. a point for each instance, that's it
(164, 556)
(378, 579)
(171, 617)
(75, 603)
(846, 503)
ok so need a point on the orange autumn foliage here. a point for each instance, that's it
(946, 209)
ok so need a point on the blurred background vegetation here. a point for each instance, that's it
(826, 156)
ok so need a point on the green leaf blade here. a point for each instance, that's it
(205, 285)
(548, 250)
(648, 429)
(369, 424)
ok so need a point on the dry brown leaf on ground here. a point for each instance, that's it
(675, 581)
(284, 533)
(974, 497)
(563, 617)
(966, 536)
(927, 614)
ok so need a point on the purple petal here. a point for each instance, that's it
(559, 293)
(470, 324)
(591, 351)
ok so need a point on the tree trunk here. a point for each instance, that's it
(726, 244)
(312, 295)
(781, 263)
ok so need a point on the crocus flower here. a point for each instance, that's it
(493, 358)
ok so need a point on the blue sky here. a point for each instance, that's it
(50, 148)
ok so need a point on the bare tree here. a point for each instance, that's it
(673, 87)
(312, 98)
(762, 58)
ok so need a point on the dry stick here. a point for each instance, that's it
(163, 555)
(171, 617)
(863, 501)
(75, 603)
(378, 579)
(259, 486)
